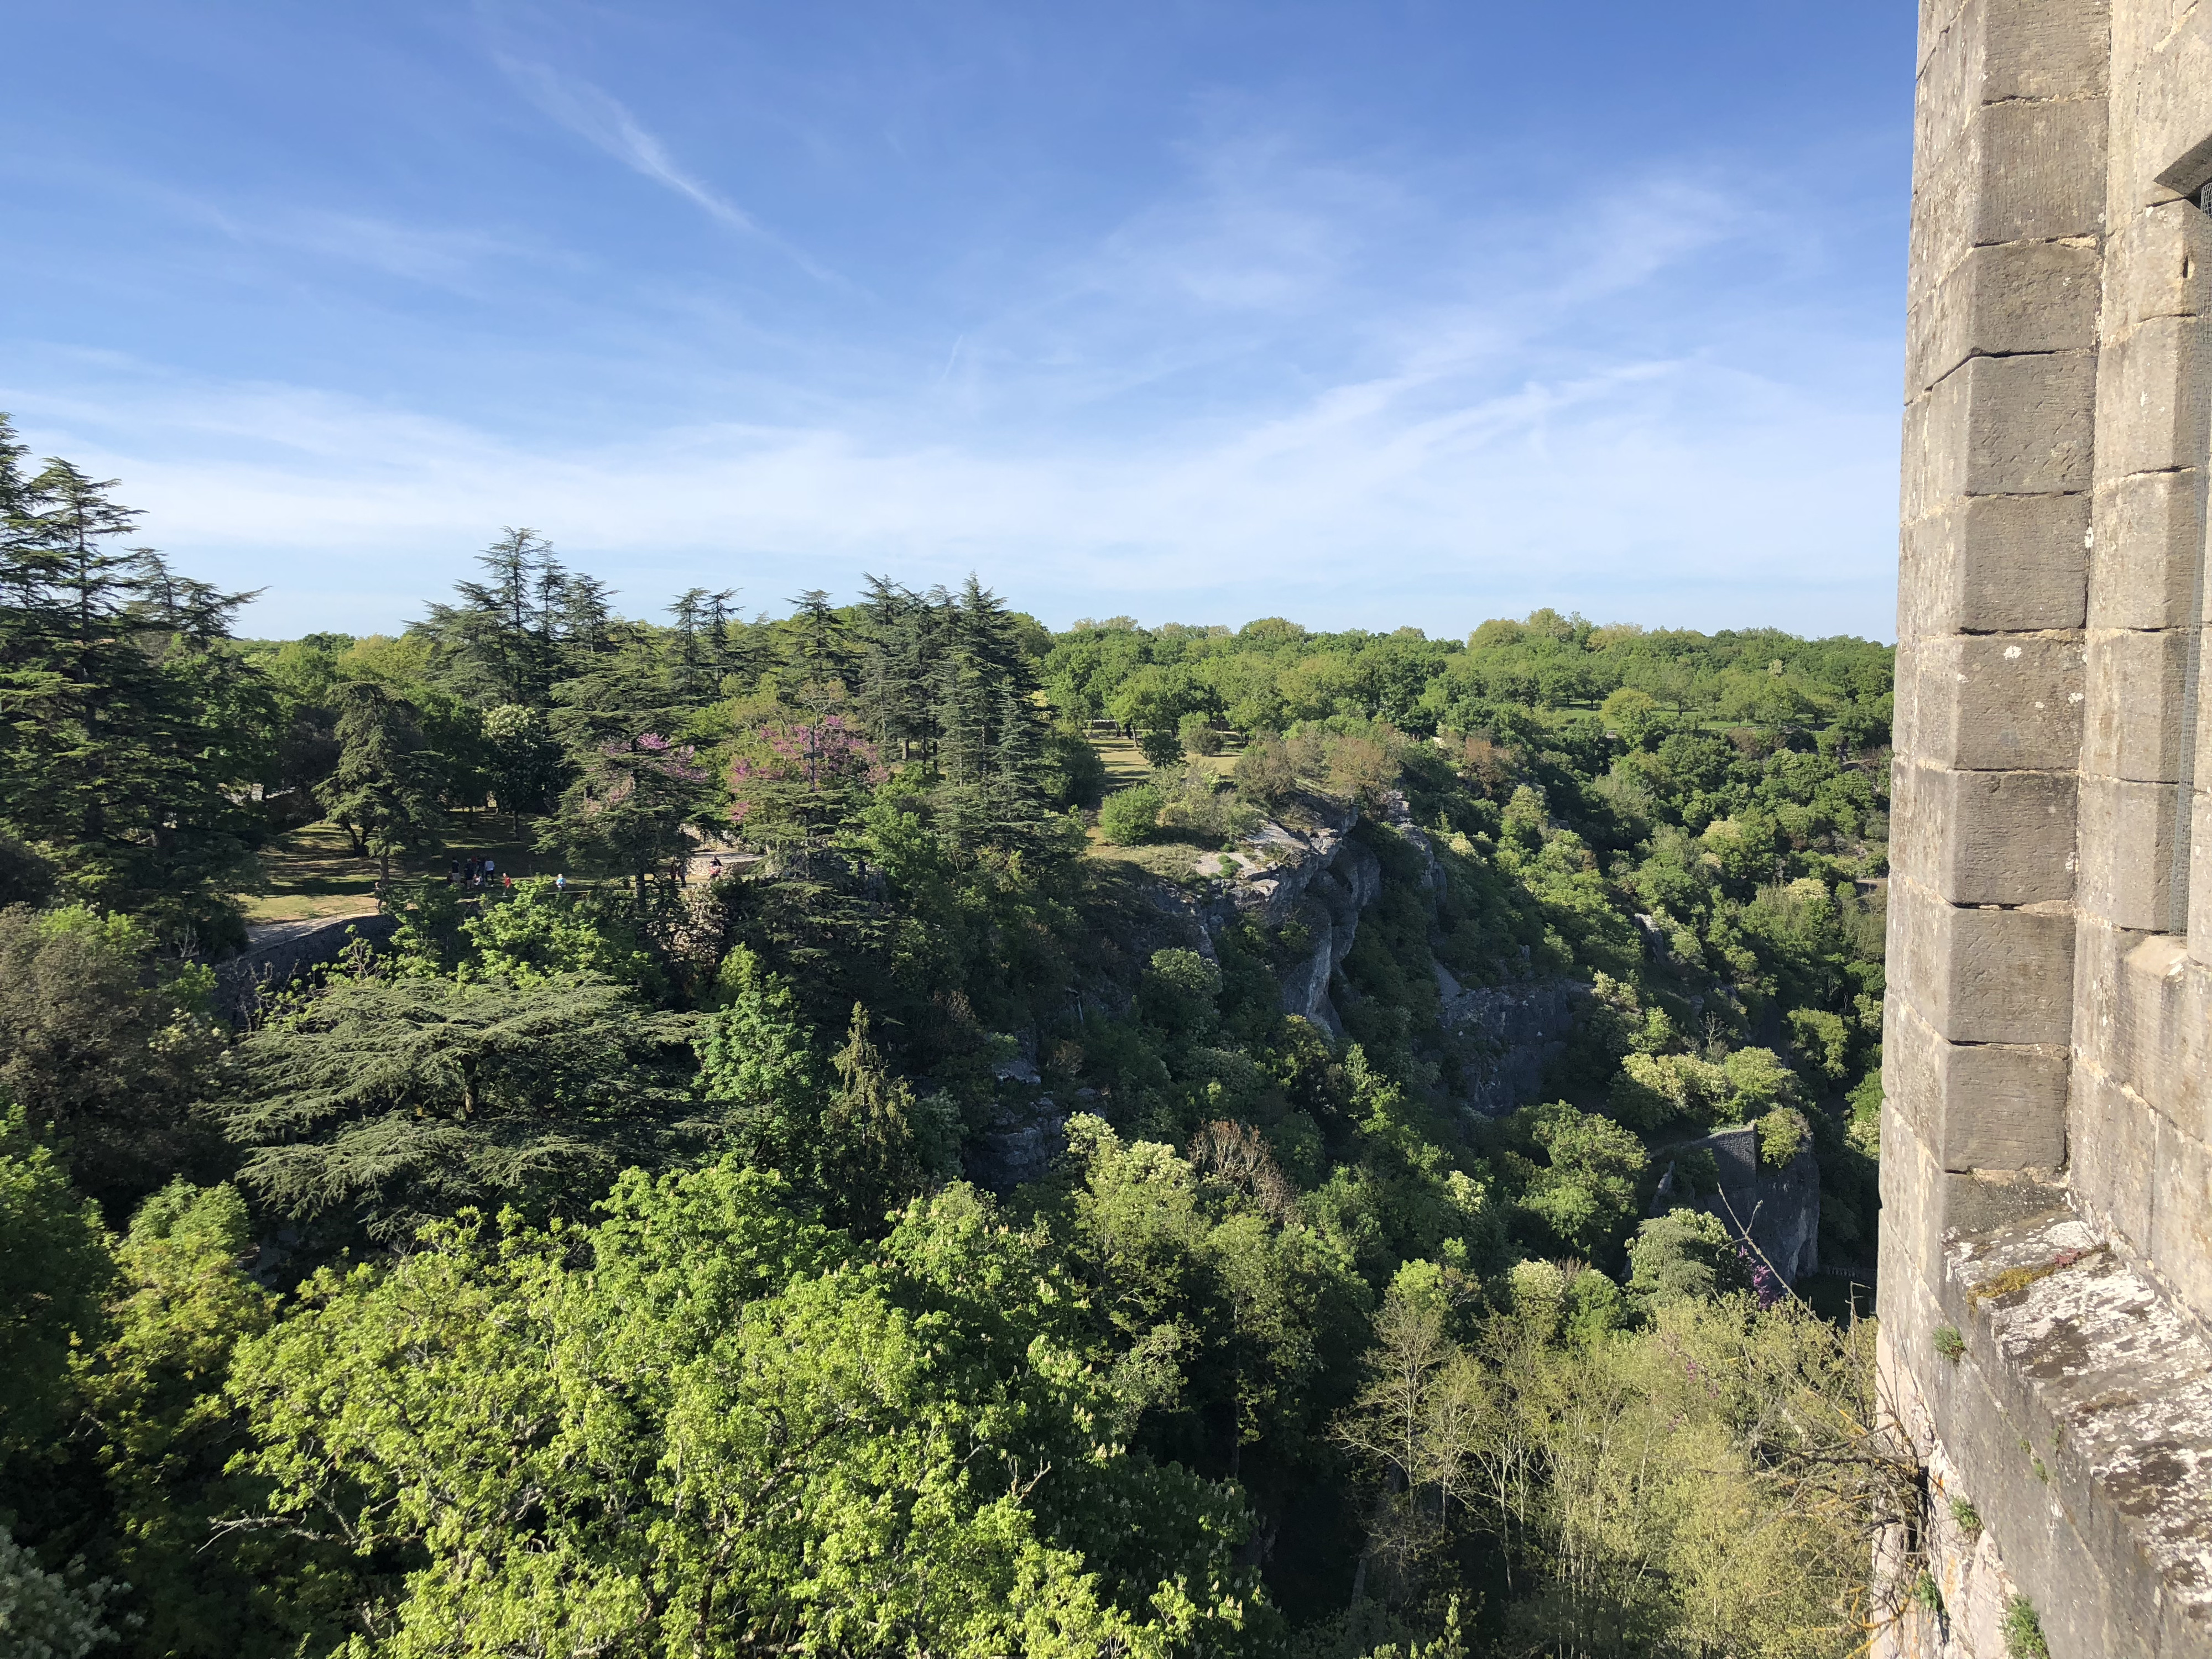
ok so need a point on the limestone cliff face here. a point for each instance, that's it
(1321, 879)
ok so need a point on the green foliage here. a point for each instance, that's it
(384, 792)
(1264, 771)
(103, 1040)
(1948, 1343)
(1583, 1196)
(1783, 1133)
(539, 932)
(166, 1431)
(523, 757)
(127, 729)
(384, 1104)
(54, 1274)
(1684, 1255)
(742, 1434)
(739, 1364)
(1965, 1517)
(2023, 1631)
(48, 1615)
(1131, 816)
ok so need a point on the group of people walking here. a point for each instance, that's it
(477, 873)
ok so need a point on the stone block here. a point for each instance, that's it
(1912, 502)
(2099, 945)
(2043, 49)
(2009, 426)
(2143, 1018)
(2081, 1422)
(2127, 851)
(2042, 176)
(2143, 567)
(2153, 257)
(2181, 1215)
(1984, 837)
(2169, 49)
(1912, 1196)
(2132, 725)
(2009, 301)
(2200, 867)
(1996, 564)
(2150, 398)
(1978, 1106)
(1992, 702)
(2112, 1141)
(1983, 975)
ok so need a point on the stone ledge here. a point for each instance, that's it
(2108, 1388)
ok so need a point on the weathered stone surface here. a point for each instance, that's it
(1984, 837)
(2079, 1420)
(2112, 1141)
(2002, 426)
(1980, 973)
(2152, 255)
(2181, 1215)
(1992, 702)
(2111, 1389)
(2143, 573)
(1978, 1106)
(2008, 300)
(2133, 725)
(2150, 398)
(277, 954)
(1996, 564)
(1506, 1036)
(2127, 851)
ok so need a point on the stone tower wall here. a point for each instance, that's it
(2046, 1259)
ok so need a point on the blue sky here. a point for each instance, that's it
(1363, 313)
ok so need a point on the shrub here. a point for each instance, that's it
(1360, 767)
(1130, 816)
(1684, 1255)
(1696, 1171)
(1965, 1516)
(1783, 1133)
(1950, 1343)
(1265, 772)
(1196, 733)
(1198, 803)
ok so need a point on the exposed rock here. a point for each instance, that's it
(1776, 1211)
(279, 953)
(1021, 1148)
(1508, 1034)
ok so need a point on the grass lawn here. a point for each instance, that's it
(312, 873)
(1126, 767)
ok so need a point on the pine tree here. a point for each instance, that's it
(383, 792)
(124, 731)
(494, 643)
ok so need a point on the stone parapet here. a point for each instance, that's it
(2063, 1407)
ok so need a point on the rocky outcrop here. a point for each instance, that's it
(1021, 1149)
(1776, 1212)
(1319, 878)
(1507, 1036)
(279, 952)
(1316, 877)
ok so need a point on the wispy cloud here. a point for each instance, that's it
(602, 119)
(1286, 385)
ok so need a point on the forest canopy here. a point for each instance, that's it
(882, 1127)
